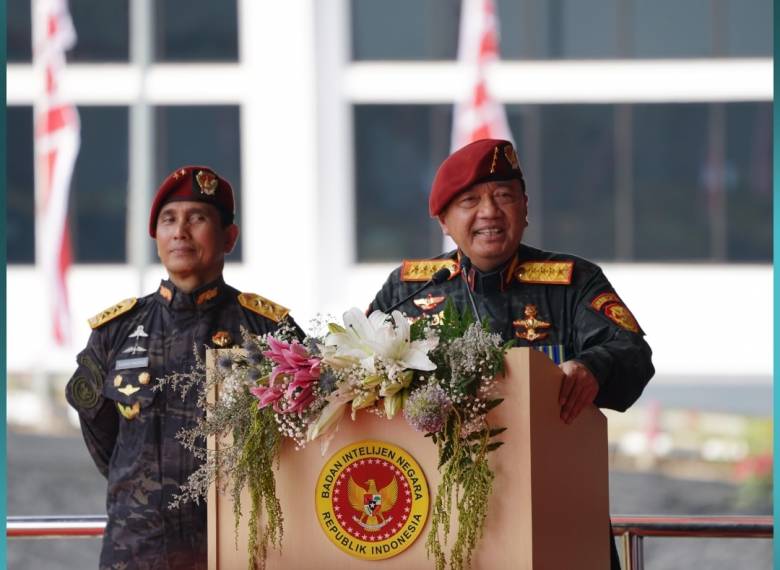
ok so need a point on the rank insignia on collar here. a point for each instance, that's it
(165, 293)
(129, 412)
(128, 390)
(207, 295)
(221, 339)
(207, 182)
(430, 302)
(546, 272)
(531, 324)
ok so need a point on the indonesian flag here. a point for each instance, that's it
(56, 124)
(478, 115)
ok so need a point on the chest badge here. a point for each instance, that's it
(430, 302)
(221, 339)
(137, 334)
(531, 324)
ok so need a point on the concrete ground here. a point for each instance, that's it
(54, 475)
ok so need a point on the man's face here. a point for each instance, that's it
(487, 221)
(192, 243)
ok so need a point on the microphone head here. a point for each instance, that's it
(465, 264)
(441, 275)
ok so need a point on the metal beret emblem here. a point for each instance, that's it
(207, 182)
(511, 156)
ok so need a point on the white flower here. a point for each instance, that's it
(367, 338)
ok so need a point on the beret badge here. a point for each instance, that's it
(207, 182)
(511, 156)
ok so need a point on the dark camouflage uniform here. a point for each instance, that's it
(144, 463)
(587, 320)
(619, 358)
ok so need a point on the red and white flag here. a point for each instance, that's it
(478, 115)
(56, 124)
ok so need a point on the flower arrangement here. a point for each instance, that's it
(439, 374)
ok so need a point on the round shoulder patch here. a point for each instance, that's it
(372, 500)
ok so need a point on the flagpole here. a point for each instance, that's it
(141, 157)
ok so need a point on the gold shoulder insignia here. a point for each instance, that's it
(112, 312)
(263, 306)
(546, 272)
(423, 269)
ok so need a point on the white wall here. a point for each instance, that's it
(711, 321)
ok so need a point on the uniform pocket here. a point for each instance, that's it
(130, 387)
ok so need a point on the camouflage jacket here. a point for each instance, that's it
(559, 304)
(130, 429)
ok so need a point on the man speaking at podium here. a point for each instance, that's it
(556, 303)
(129, 427)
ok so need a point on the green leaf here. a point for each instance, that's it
(335, 328)
(493, 446)
(493, 403)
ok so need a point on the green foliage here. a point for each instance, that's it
(467, 480)
(260, 444)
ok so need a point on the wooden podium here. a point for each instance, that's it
(550, 504)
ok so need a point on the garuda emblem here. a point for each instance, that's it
(372, 504)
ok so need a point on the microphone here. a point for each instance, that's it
(465, 267)
(439, 277)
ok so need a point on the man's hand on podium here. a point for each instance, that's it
(578, 389)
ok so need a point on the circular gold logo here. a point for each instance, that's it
(372, 499)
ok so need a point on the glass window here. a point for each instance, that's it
(576, 179)
(553, 29)
(696, 182)
(20, 190)
(196, 30)
(748, 181)
(669, 28)
(405, 29)
(19, 31)
(748, 28)
(98, 195)
(98, 199)
(568, 29)
(207, 135)
(671, 144)
(397, 151)
(102, 30)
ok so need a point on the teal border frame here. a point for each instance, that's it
(3, 362)
(776, 286)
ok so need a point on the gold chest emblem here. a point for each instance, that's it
(531, 324)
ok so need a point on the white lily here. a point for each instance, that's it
(366, 338)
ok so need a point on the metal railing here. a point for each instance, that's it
(631, 529)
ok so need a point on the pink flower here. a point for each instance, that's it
(267, 395)
(291, 384)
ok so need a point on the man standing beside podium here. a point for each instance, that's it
(129, 426)
(559, 304)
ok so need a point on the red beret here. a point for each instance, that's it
(194, 184)
(480, 161)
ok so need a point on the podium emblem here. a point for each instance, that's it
(372, 500)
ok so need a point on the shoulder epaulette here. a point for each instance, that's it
(263, 306)
(423, 269)
(112, 312)
(545, 272)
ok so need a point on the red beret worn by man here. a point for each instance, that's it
(559, 304)
(129, 428)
